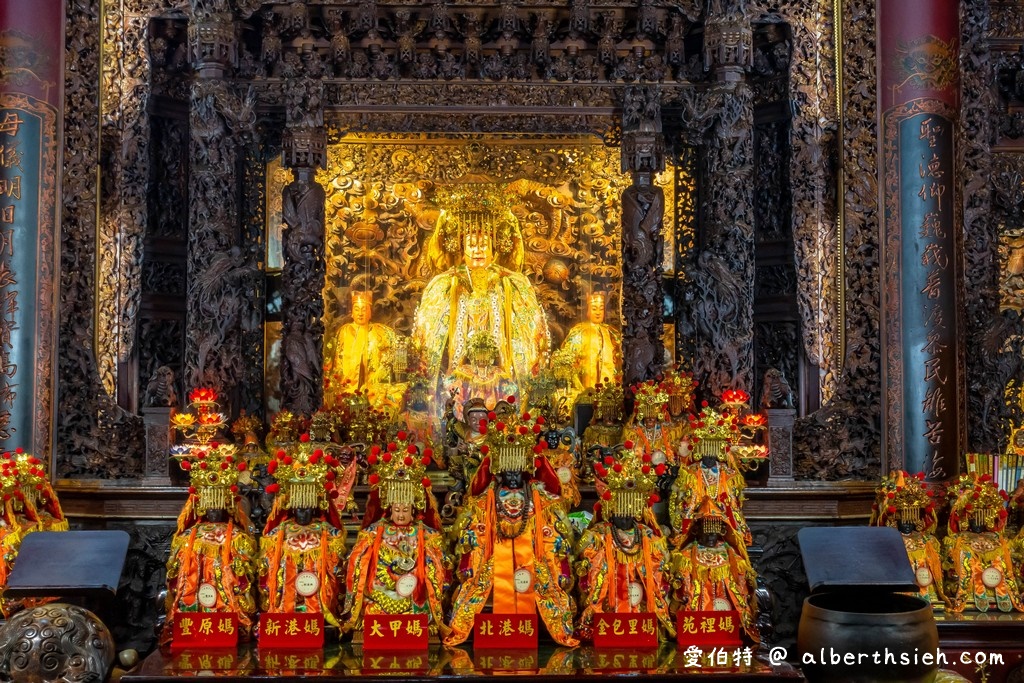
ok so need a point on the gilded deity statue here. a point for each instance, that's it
(361, 358)
(397, 564)
(623, 559)
(605, 428)
(479, 299)
(212, 564)
(905, 502)
(712, 572)
(592, 349)
(976, 553)
(300, 563)
(650, 428)
(513, 546)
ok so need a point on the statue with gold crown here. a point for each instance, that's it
(605, 427)
(712, 571)
(710, 476)
(397, 564)
(680, 387)
(905, 502)
(303, 544)
(623, 559)
(18, 517)
(212, 563)
(976, 554)
(478, 301)
(513, 548)
(592, 349)
(650, 428)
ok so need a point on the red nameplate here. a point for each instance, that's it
(292, 631)
(612, 660)
(624, 631)
(395, 662)
(395, 632)
(515, 631)
(709, 629)
(204, 630)
(506, 661)
(288, 663)
(205, 660)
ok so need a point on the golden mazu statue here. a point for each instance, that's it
(592, 349)
(623, 560)
(27, 504)
(397, 564)
(513, 547)
(212, 563)
(709, 477)
(479, 298)
(650, 428)
(976, 553)
(303, 544)
(905, 502)
(712, 571)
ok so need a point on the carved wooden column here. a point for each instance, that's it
(643, 207)
(218, 268)
(723, 310)
(302, 278)
(921, 237)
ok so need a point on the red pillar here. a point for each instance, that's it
(920, 236)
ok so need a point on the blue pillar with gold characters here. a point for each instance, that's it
(921, 237)
(30, 108)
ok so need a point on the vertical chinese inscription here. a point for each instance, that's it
(11, 176)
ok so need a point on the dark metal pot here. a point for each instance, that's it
(841, 633)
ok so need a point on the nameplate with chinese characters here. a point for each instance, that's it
(291, 631)
(709, 628)
(395, 632)
(626, 630)
(380, 662)
(518, 631)
(204, 631)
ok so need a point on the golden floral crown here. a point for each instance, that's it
(904, 497)
(608, 399)
(12, 481)
(977, 499)
(303, 473)
(284, 428)
(476, 207)
(712, 432)
(631, 479)
(511, 438)
(680, 386)
(651, 398)
(399, 471)
(213, 471)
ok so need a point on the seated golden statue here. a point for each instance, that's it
(303, 544)
(481, 377)
(592, 349)
(605, 428)
(397, 564)
(709, 477)
(477, 250)
(976, 554)
(712, 571)
(361, 357)
(212, 564)
(650, 428)
(903, 502)
(623, 560)
(514, 543)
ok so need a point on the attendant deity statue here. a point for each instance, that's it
(905, 502)
(38, 499)
(514, 543)
(481, 377)
(397, 564)
(709, 477)
(212, 564)
(605, 428)
(18, 517)
(623, 559)
(303, 545)
(680, 386)
(561, 448)
(477, 250)
(592, 349)
(650, 428)
(361, 357)
(977, 555)
(712, 571)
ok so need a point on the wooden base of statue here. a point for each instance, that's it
(983, 646)
(348, 664)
